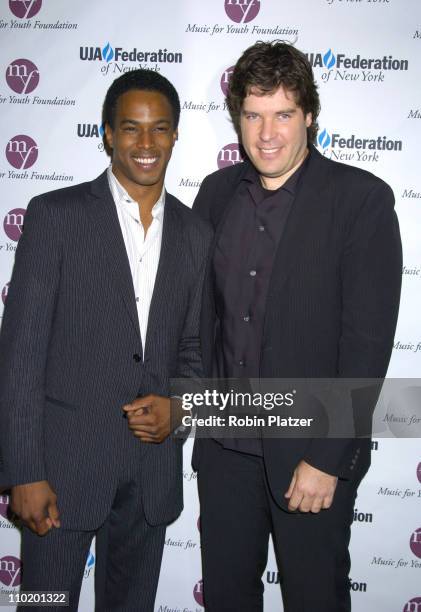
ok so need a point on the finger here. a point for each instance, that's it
(142, 418)
(41, 526)
(327, 502)
(305, 504)
(295, 501)
(316, 507)
(148, 431)
(142, 423)
(136, 405)
(145, 438)
(141, 431)
(54, 514)
(291, 486)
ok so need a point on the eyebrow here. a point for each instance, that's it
(134, 122)
(288, 111)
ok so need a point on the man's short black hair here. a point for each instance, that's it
(141, 79)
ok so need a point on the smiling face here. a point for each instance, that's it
(274, 135)
(141, 141)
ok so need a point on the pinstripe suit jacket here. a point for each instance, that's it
(70, 346)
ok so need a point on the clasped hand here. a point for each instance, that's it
(149, 418)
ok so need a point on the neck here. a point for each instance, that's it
(145, 195)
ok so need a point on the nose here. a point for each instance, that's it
(267, 129)
(144, 139)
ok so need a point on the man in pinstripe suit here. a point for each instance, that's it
(103, 309)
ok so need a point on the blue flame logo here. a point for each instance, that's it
(107, 53)
(329, 59)
(91, 560)
(101, 130)
(324, 139)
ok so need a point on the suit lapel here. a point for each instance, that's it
(103, 214)
(166, 276)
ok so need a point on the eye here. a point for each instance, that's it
(129, 129)
(284, 116)
(251, 116)
(161, 129)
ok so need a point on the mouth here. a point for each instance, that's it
(269, 152)
(145, 161)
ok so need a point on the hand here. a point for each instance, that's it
(35, 504)
(149, 418)
(310, 489)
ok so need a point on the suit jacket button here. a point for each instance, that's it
(137, 357)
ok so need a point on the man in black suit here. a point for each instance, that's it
(103, 310)
(303, 281)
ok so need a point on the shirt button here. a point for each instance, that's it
(261, 228)
(242, 363)
(252, 272)
(137, 299)
(246, 318)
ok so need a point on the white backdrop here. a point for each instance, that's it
(58, 59)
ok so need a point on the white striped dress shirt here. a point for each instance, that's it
(143, 253)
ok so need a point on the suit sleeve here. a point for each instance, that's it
(202, 201)
(189, 353)
(24, 340)
(371, 273)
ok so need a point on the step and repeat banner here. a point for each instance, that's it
(58, 59)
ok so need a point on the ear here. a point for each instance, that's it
(109, 136)
(309, 119)
(175, 136)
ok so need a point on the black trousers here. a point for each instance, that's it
(128, 558)
(238, 515)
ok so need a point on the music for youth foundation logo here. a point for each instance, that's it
(22, 76)
(13, 223)
(413, 605)
(419, 472)
(229, 155)
(198, 593)
(415, 543)
(10, 571)
(355, 148)
(225, 79)
(337, 66)
(211, 105)
(25, 9)
(242, 11)
(22, 152)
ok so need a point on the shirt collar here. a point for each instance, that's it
(122, 198)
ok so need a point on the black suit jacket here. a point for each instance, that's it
(70, 346)
(333, 297)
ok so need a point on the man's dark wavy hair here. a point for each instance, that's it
(265, 67)
(146, 80)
